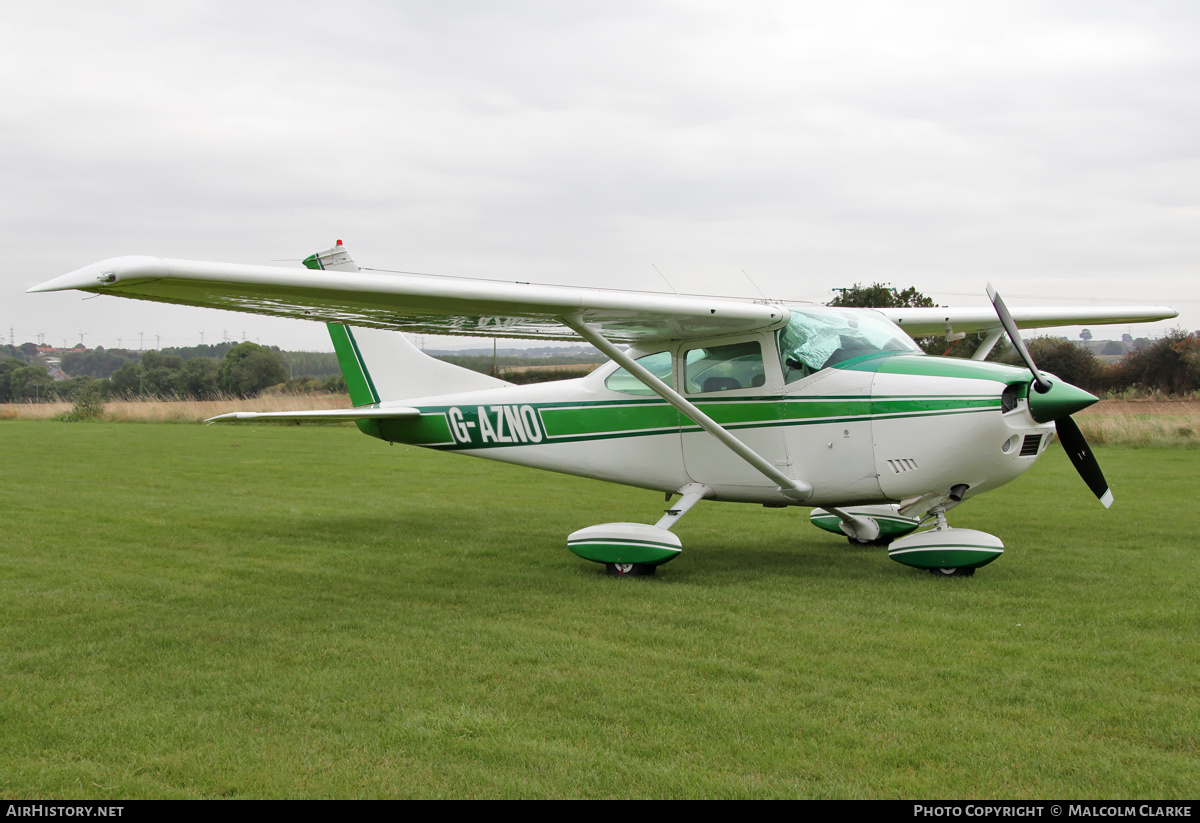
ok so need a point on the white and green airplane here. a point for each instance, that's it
(751, 401)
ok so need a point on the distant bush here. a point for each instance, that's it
(1169, 365)
(89, 404)
(308, 385)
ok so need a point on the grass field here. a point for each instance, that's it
(306, 612)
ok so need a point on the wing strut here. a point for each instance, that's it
(988, 343)
(796, 490)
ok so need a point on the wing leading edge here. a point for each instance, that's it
(931, 322)
(428, 304)
(422, 304)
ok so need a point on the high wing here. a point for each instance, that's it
(429, 304)
(939, 321)
(422, 304)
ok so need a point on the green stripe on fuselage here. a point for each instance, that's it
(890, 408)
(573, 422)
(570, 421)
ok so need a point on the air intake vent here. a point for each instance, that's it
(905, 464)
(1008, 400)
(1029, 447)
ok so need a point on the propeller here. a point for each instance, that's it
(1056, 400)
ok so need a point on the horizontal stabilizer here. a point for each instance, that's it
(323, 415)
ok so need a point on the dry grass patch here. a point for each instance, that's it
(178, 411)
(1159, 423)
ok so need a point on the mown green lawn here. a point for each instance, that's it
(307, 612)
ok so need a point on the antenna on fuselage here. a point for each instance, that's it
(665, 280)
(752, 283)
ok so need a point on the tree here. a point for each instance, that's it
(1170, 365)
(30, 383)
(98, 363)
(7, 367)
(1085, 335)
(199, 378)
(882, 296)
(126, 381)
(160, 381)
(249, 368)
(154, 360)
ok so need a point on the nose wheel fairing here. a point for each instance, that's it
(945, 548)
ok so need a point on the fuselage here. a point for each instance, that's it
(879, 427)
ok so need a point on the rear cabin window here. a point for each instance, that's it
(658, 364)
(724, 368)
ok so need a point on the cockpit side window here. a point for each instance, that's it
(817, 338)
(658, 364)
(724, 368)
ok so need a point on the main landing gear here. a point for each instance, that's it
(636, 549)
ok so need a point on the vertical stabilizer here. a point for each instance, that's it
(380, 365)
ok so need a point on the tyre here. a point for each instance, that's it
(953, 572)
(630, 569)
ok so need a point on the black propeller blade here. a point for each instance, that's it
(1080, 452)
(1057, 403)
(1014, 334)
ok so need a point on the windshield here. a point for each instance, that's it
(817, 338)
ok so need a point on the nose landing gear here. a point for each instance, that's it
(945, 551)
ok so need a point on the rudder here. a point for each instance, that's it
(397, 369)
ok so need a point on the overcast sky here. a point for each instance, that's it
(1052, 148)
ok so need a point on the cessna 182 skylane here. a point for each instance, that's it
(715, 398)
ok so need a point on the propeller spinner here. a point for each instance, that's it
(1057, 400)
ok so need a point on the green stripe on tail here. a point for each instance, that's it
(354, 369)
